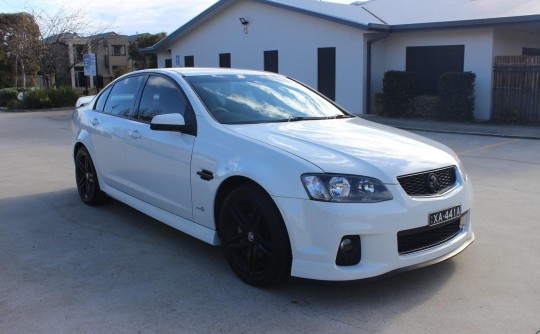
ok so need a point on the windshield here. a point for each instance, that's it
(253, 98)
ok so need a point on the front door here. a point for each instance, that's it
(158, 162)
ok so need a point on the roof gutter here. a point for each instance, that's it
(368, 68)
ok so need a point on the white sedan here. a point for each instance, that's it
(289, 183)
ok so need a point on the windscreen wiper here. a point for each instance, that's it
(310, 118)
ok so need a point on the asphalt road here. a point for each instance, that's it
(69, 268)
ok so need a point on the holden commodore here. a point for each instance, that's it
(286, 181)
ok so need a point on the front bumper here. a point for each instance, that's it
(316, 229)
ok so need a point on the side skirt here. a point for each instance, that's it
(198, 231)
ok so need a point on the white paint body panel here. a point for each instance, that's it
(274, 156)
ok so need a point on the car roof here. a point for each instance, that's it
(195, 71)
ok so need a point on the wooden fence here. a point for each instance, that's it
(516, 89)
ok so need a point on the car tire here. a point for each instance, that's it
(254, 237)
(87, 180)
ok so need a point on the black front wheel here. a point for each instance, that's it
(87, 180)
(254, 237)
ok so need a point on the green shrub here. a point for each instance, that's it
(49, 98)
(14, 104)
(511, 115)
(424, 106)
(398, 89)
(36, 99)
(378, 104)
(63, 97)
(456, 96)
(7, 95)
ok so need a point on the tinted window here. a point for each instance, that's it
(530, 52)
(326, 72)
(122, 96)
(161, 96)
(271, 61)
(225, 60)
(102, 99)
(189, 61)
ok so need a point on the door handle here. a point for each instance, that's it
(94, 122)
(135, 134)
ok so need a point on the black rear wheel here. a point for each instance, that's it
(254, 237)
(87, 180)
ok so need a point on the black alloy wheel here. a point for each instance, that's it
(86, 177)
(254, 237)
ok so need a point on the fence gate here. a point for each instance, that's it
(516, 89)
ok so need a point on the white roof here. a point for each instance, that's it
(405, 12)
(391, 15)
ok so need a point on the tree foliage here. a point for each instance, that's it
(143, 61)
(31, 42)
(20, 38)
(54, 28)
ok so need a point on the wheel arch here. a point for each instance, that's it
(224, 188)
(77, 147)
(235, 181)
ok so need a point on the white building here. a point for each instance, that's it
(344, 50)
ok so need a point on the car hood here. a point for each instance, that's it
(353, 146)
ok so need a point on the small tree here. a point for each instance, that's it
(53, 30)
(143, 61)
(19, 34)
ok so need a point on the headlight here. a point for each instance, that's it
(345, 188)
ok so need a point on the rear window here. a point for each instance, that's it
(122, 96)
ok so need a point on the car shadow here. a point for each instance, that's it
(114, 265)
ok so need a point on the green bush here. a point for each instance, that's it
(456, 96)
(378, 104)
(511, 115)
(14, 105)
(49, 98)
(36, 99)
(63, 97)
(398, 90)
(424, 106)
(6, 95)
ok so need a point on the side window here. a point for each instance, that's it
(122, 96)
(102, 99)
(161, 96)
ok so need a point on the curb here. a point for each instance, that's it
(469, 133)
(479, 129)
(7, 111)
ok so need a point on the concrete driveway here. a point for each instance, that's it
(69, 268)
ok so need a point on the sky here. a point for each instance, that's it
(126, 17)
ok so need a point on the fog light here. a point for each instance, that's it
(346, 245)
(349, 251)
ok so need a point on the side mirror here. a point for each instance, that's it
(168, 122)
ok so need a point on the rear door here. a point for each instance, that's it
(108, 129)
(158, 162)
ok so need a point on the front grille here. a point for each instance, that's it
(425, 237)
(422, 184)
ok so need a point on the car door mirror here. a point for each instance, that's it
(168, 122)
